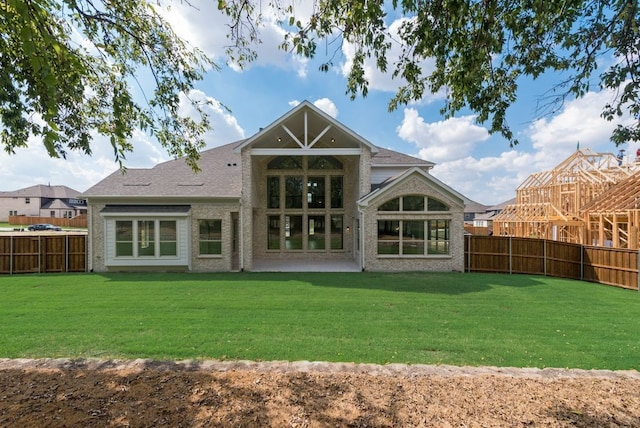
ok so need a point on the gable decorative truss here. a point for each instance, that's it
(305, 130)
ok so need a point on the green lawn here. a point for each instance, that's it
(429, 318)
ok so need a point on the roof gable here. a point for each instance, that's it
(306, 130)
(429, 179)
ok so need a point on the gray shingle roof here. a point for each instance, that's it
(43, 191)
(390, 157)
(220, 176)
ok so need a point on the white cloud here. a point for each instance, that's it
(443, 140)
(225, 127)
(324, 104)
(327, 106)
(578, 122)
(489, 180)
(205, 27)
(385, 81)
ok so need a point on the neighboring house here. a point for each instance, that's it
(471, 210)
(485, 219)
(304, 188)
(42, 201)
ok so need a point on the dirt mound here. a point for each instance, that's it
(70, 393)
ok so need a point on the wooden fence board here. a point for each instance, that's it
(611, 266)
(42, 253)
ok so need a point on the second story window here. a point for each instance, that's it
(27, 200)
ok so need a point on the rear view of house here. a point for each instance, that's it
(304, 189)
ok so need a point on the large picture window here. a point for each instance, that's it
(407, 237)
(210, 237)
(304, 202)
(146, 238)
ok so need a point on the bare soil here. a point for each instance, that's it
(144, 393)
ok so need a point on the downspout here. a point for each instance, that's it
(241, 234)
(361, 237)
(89, 241)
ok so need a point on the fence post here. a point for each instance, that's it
(638, 255)
(581, 262)
(510, 257)
(544, 256)
(66, 253)
(468, 253)
(39, 254)
(11, 256)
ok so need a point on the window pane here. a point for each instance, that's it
(315, 192)
(413, 237)
(413, 203)
(436, 205)
(388, 237)
(293, 192)
(336, 232)
(293, 232)
(438, 236)
(286, 162)
(210, 229)
(273, 192)
(336, 192)
(316, 233)
(124, 238)
(210, 237)
(146, 237)
(273, 239)
(392, 205)
(210, 247)
(168, 238)
(324, 162)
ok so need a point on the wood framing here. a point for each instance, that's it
(613, 219)
(550, 204)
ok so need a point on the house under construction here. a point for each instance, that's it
(551, 204)
(613, 219)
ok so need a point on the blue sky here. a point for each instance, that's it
(482, 167)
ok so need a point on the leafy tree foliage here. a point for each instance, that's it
(67, 68)
(481, 49)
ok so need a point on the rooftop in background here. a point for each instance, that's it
(43, 191)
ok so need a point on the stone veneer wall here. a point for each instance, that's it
(213, 211)
(95, 227)
(246, 214)
(414, 185)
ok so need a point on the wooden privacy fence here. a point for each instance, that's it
(67, 252)
(611, 266)
(78, 221)
(43, 253)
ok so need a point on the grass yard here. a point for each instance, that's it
(428, 318)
